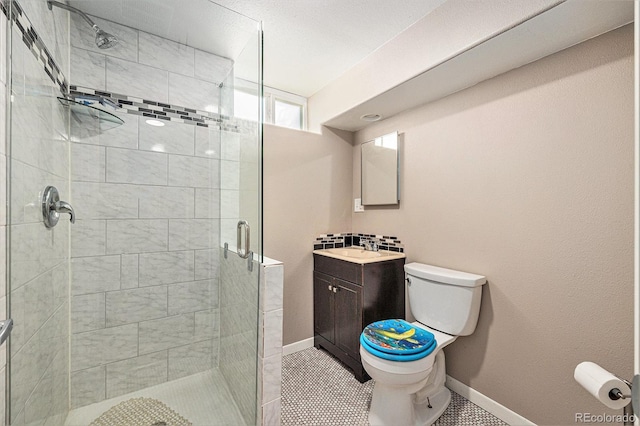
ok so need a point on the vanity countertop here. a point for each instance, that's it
(356, 254)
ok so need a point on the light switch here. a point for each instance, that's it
(357, 205)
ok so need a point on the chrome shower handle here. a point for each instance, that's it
(52, 207)
(247, 239)
(64, 207)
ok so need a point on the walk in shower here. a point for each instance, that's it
(145, 117)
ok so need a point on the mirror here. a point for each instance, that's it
(380, 171)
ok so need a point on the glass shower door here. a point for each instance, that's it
(241, 227)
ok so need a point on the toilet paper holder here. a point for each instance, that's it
(609, 389)
(616, 394)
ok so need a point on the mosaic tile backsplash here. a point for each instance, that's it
(348, 239)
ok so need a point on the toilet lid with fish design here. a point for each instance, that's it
(397, 340)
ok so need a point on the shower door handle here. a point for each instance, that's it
(5, 329)
(243, 253)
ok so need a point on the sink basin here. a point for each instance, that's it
(358, 255)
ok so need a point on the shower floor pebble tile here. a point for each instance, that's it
(318, 390)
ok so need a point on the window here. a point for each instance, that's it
(280, 108)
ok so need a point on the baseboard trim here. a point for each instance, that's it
(297, 346)
(500, 411)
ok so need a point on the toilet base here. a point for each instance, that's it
(439, 403)
(390, 407)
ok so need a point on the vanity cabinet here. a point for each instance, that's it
(347, 297)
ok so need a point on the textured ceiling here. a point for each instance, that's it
(307, 43)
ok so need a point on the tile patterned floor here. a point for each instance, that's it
(318, 390)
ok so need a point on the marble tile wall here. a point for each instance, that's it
(39, 259)
(270, 342)
(145, 284)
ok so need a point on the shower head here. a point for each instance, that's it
(104, 40)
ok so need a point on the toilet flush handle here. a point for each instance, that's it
(408, 280)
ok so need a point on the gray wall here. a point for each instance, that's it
(527, 178)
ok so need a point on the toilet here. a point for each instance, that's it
(405, 359)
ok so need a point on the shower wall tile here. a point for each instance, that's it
(36, 250)
(104, 201)
(191, 359)
(194, 93)
(129, 166)
(88, 163)
(95, 274)
(207, 263)
(231, 146)
(89, 69)
(129, 271)
(193, 172)
(230, 175)
(172, 138)
(271, 378)
(271, 288)
(207, 203)
(33, 304)
(124, 77)
(211, 67)
(165, 54)
(207, 142)
(228, 232)
(271, 412)
(207, 324)
(28, 183)
(83, 36)
(88, 386)
(188, 234)
(132, 306)
(47, 155)
(165, 333)
(271, 332)
(89, 349)
(137, 373)
(88, 237)
(137, 236)
(192, 296)
(166, 268)
(165, 202)
(229, 204)
(87, 312)
(3, 188)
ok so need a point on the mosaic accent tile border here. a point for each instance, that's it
(35, 44)
(348, 239)
(159, 110)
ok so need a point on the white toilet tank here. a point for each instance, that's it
(444, 299)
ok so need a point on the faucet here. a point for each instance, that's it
(370, 245)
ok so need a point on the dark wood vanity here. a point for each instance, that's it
(348, 296)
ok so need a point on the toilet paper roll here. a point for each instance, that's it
(599, 382)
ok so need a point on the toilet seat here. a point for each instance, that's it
(397, 340)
